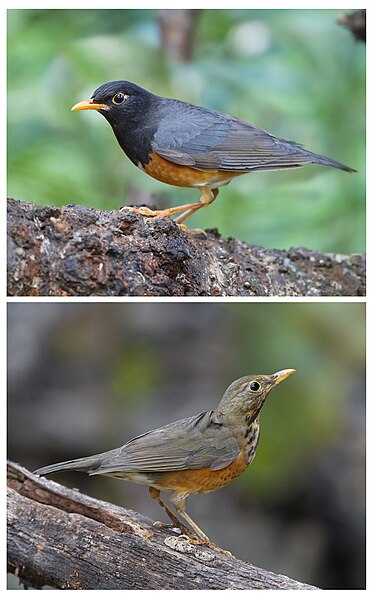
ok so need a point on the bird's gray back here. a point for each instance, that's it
(202, 441)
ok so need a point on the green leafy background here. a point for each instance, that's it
(296, 73)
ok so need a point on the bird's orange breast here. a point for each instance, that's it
(184, 176)
(202, 480)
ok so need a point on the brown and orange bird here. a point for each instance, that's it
(194, 455)
(190, 146)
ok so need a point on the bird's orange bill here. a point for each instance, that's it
(282, 375)
(89, 105)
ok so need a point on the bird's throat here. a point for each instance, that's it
(135, 142)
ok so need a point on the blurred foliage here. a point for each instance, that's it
(296, 73)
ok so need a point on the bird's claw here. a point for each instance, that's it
(205, 543)
(144, 211)
(151, 214)
(159, 524)
(220, 550)
(214, 547)
(180, 528)
(195, 231)
(167, 213)
(183, 227)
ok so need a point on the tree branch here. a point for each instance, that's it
(61, 538)
(76, 250)
(356, 23)
(177, 32)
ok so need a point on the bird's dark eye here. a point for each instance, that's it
(254, 386)
(119, 98)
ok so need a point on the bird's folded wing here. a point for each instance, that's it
(208, 140)
(198, 442)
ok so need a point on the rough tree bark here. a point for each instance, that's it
(61, 538)
(79, 251)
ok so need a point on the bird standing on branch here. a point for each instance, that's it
(190, 146)
(194, 455)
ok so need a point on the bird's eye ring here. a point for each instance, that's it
(119, 98)
(254, 386)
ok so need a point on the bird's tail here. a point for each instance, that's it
(293, 151)
(325, 161)
(85, 464)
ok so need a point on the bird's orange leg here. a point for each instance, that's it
(207, 196)
(179, 502)
(155, 494)
(206, 200)
(167, 212)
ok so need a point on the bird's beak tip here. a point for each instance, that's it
(282, 375)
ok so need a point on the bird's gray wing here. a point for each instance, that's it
(208, 140)
(198, 442)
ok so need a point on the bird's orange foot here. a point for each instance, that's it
(219, 549)
(183, 227)
(159, 524)
(144, 211)
(193, 231)
(194, 540)
(167, 213)
(204, 543)
(173, 526)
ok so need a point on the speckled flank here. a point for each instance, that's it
(184, 176)
(251, 439)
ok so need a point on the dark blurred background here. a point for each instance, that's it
(296, 73)
(85, 378)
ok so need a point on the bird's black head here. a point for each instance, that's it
(118, 101)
